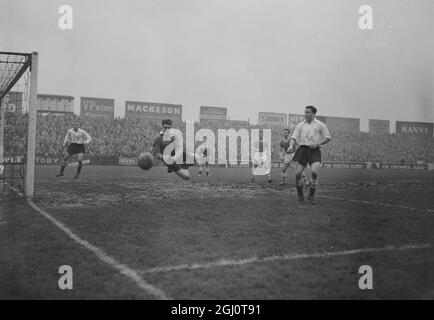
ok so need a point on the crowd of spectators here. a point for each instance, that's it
(366, 147)
(14, 134)
(128, 137)
(110, 137)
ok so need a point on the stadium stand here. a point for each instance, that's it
(127, 137)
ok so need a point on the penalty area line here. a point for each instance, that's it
(286, 257)
(102, 256)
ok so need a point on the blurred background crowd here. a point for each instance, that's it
(128, 137)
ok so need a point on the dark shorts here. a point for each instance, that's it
(305, 155)
(75, 148)
(173, 167)
(178, 166)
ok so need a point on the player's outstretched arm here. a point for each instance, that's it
(67, 139)
(88, 137)
(156, 150)
(293, 140)
(291, 145)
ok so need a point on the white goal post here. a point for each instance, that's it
(18, 113)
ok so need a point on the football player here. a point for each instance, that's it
(310, 135)
(260, 158)
(164, 139)
(75, 138)
(203, 159)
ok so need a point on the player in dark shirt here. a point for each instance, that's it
(163, 140)
(286, 157)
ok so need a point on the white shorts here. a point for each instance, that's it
(259, 158)
(203, 161)
(264, 165)
(288, 158)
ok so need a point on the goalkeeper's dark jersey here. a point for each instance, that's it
(159, 145)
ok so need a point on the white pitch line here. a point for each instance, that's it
(225, 263)
(122, 268)
(101, 255)
(374, 203)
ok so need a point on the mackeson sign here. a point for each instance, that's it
(152, 110)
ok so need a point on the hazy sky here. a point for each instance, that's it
(247, 55)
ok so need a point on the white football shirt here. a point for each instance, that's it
(80, 137)
(308, 134)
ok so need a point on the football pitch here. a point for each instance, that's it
(133, 234)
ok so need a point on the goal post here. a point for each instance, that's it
(29, 187)
(18, 116)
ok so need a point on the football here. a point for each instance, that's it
(145, 160)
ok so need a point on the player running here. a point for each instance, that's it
(309, 135)
(165, 138)
(76, 138)
(260, 158)
(203, 159)
(287, 158)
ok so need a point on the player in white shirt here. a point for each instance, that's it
(260, 158)
(309, 135)
(75, 138)
(203, 159)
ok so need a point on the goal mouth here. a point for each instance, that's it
(18, 86)
(12, 68)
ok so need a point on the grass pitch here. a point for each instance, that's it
(220, 237)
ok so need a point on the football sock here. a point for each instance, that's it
(299, 185)
(80, 164)
(62, 168)
(312, 187)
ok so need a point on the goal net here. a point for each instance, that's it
(18, 87)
